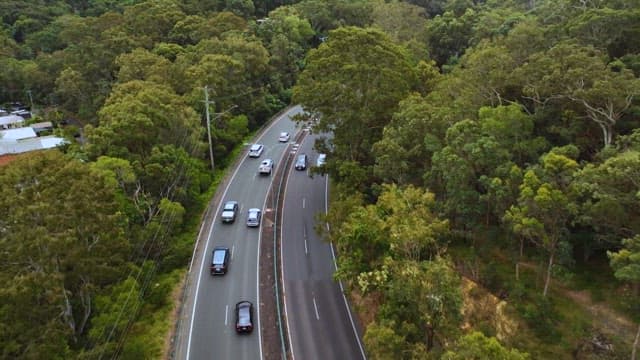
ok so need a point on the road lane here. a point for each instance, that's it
(211, 325)
(318, 320)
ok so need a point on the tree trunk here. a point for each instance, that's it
(635, 344)
(548, 278)
(430, 334)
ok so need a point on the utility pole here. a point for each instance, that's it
(206, 107)
(31, 101)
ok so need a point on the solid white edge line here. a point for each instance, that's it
(195, 300)
(335, 264)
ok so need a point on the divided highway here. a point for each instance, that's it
(207, 326)
(319, 321)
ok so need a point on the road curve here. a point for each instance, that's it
(207, 326)
(319, 322)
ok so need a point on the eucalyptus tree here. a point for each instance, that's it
(63, 241)
(546, 204)
(353, 83)
(578, 78)
(608, 199)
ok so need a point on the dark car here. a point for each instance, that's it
(219, 260)
(301, 162)
(244, 317)
(229, 211)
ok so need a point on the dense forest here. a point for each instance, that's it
(481, 152)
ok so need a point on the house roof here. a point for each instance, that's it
(10, 119)
(17, 134)
(31, 144)
(42, 125)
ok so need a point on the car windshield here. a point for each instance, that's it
(218, 257)
(228, 207)
(301, 158)
(255, 147)
(265, 162)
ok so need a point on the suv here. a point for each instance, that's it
(244, 317)
(253, 217)
(265, 167)
(256, 150)
(219, 260)
(301, 162)
(229, 211)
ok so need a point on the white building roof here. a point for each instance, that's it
(11, 119)
(17, 134)
(32, 144)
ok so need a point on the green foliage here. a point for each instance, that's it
(60, 252)
(626, 262)
(355, 80)
(477, 346)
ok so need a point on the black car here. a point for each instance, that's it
(219, 260)
(244, 317)
(229, 211)
(301, 162)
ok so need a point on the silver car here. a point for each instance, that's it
(253, 217)
(229, 211)
(256, 150)
(266, 166)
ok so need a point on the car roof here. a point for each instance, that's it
(266, 161)
(219, 254)
(253, 210)
(256, 146)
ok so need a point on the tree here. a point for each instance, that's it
(58, 253)
(139, 115)
(448, 35)
(477, 346)
(424, 300)
(579, 74)
(457, 168)
(608, 198)
(354, 82)
(546, 205)
(626, 264)
(141, 64)
(401, 156)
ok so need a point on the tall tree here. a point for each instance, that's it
(546, 206)
(354, 82)
(58, 253)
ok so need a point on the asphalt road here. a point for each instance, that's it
(319, 322)
(208, 327)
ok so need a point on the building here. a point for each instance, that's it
(21, 140)
(11, 121)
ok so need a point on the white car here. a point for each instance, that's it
(253, 217)
(322, 159)
(256, 150)
(266, 166)
(284, 137)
